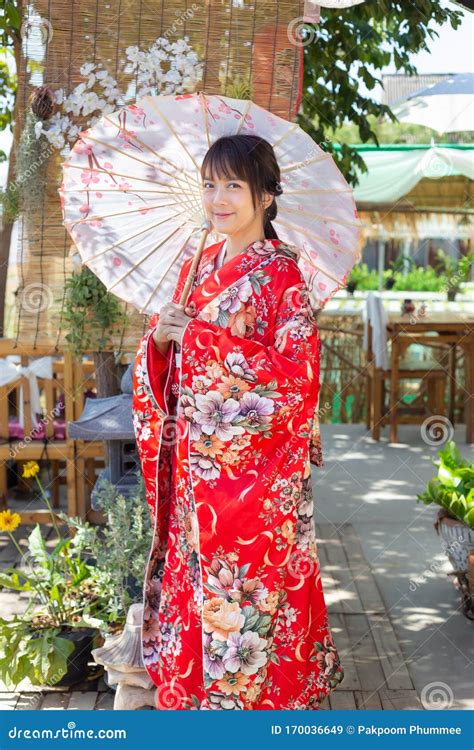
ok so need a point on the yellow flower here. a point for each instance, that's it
(30, 469)
(233, 683)
(9, 521)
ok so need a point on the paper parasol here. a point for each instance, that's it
(131, 195)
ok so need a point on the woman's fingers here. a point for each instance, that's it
(174, 315)
(174, 330)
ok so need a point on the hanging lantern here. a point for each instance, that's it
(41, 101)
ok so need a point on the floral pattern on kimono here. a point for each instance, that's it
(234, 611)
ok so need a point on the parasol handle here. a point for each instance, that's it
(205, 228)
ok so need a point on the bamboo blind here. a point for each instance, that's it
(246, 52)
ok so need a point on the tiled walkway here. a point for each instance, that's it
(395, 640)
(375, 675)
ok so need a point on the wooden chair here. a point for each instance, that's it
(431, 374)
(81, 458)
(89, 454)
(57, 452)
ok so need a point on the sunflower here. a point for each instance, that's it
(30, 469)
(9, 521)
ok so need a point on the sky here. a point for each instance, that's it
(451, 52)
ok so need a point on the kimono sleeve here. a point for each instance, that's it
(159, 366)
(289, 363)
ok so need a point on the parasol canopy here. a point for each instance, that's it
(131, 195)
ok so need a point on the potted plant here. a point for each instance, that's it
(91, 314)
(389, 279)
(398, 268)
(361, 278)
(351, 285)
(455, 271)
(120, 552)
(51, 643)
(453, 491)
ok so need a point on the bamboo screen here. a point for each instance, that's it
(247, 53)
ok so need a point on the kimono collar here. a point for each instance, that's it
(258, 249)
(233, 269)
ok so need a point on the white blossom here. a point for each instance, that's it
(38, 128)
(86, 69)
(165, 68)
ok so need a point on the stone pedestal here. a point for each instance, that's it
(121, 656)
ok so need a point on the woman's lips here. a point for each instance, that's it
(222, 216)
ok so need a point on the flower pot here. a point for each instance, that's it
(83, 639)
(458, 540)
(77, 663)
(351, 286)
(452, 295)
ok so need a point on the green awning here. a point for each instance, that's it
(393, 171)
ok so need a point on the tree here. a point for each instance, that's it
(354, 45)
(10, 27)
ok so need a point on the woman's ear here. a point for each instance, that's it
(267, 200)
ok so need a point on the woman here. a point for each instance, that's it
(234, 611)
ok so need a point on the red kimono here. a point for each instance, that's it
(234, 611)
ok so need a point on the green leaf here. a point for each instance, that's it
(13, 581)
(37, 546)
(58, 659)
(469, 518)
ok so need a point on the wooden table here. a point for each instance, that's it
(455, 329)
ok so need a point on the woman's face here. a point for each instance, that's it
(228, 205)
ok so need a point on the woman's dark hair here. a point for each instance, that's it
(252, 159)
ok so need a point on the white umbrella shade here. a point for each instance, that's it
(446, 106)
(131, 195)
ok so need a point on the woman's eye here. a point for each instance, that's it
(209, 184)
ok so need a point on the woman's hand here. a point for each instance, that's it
(171, 324)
